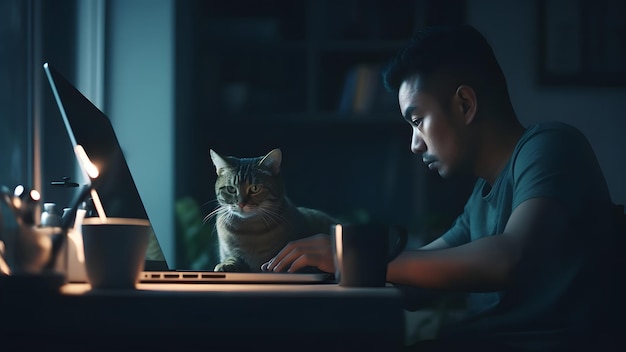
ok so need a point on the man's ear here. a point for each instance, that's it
(467, 103)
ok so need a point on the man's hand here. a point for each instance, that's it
(311, 251)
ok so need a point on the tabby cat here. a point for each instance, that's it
(254, 217)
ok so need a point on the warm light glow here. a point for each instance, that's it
(35, 195)
(98, 204)
(83, 288)
(338, 251)
(339, 240)
(115, 221)
(85, 163)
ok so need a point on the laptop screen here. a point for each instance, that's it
(90, 128)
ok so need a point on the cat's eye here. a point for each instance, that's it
(255, 189)
(231, 189)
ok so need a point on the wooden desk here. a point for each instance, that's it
(206, 317)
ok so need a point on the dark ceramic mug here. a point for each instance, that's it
(362, 252)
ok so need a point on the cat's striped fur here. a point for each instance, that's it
(254, 217)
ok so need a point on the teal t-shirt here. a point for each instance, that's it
(562, 295)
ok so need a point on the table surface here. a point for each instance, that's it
(223, 316)
(313, 289)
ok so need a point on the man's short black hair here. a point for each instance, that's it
(458, 50)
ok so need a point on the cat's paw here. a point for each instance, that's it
(225, 267)
(231, 265)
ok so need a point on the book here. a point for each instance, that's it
(360, 89)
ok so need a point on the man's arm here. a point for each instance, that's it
(490, 263)
(439, 243)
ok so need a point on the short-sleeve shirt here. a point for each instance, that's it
(562, 296)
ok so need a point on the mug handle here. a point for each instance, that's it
(399, 244)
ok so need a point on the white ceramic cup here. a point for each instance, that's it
(114, 251)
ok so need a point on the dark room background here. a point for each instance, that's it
(304, 76)
(244, 77)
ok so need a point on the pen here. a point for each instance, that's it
(66, 222)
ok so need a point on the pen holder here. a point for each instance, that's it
(33, 248)
(34, 253)
(28, 261)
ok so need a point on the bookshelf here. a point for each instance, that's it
(303, 76)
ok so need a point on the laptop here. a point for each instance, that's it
(91, 132)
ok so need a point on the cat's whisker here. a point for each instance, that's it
(274, 212)
(209, 202)
(265, 220)
(268, 219)
(211, 215)
(277, 217)
(215, 211)
(270, 216)
(223, 219)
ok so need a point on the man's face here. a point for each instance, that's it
(438, 131)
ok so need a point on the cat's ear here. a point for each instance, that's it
(220, 163)
(272, 161)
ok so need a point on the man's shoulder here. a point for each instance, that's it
(553, 128)
(553, 148)
(555, 156)
(552, 136)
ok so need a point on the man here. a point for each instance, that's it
(531, 246)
